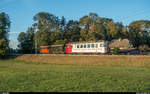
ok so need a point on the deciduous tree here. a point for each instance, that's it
(26, 41)
(4, 29)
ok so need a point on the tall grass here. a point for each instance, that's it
(143, 61)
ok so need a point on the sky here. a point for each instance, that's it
(21, 12)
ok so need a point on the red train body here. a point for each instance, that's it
(68, 48)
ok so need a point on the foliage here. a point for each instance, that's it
(51, 30)
(143, 48)
(13, 51)
(60, 42)
(57, 50)
(88, 27)
(45, 31)
(120, 31)
(3, 47)
(116, 51)
(4, 29)
(72, 31)
(139, 32)
(95, 28)
(26, 41)
(48, 28)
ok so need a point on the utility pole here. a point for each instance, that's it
(35, 43)
(35, 46)
(105, 30)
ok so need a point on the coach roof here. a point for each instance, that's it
(87, 42)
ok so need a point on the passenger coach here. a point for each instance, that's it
(87, 47)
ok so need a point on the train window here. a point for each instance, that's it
(89, 45)
(101, 45)
(81, 46)
(84, 45)
(92, 45)
(77, 46)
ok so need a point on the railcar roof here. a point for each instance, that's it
(87, 42)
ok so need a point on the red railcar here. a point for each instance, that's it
(68, 48)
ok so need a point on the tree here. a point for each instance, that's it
(48, 30)
(72, 31)
(62, 26)
(22, 42)
(120, 32)
(143, 48)
(88, 27)
(94, 28)
(26, 41)
(4, 29)
(62, 22)
(30, 38)
(139, 32)
(110, 30)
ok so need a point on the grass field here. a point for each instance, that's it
(19, 76)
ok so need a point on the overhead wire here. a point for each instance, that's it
(137, 13)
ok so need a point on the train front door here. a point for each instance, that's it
(68, 48)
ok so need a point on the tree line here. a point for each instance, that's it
(49, 29)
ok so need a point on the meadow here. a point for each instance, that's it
(75, 74)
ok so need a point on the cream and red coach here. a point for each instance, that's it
(87, 47)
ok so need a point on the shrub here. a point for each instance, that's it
(116, 51)
(57, 50)
(143, 48)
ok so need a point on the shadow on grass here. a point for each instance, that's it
(11, 56)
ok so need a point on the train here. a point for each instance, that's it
(92, 47)
(99, 47)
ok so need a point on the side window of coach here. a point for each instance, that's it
(84, 45)
(101, 45)
(92, 45)
(88, 46)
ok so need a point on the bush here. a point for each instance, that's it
(57, 50)
(143, 48)
(58, 42)
(3, 48)
(116, 51)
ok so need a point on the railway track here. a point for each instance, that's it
(57, 55)
(15, 55)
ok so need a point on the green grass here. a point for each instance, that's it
(18, 76)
